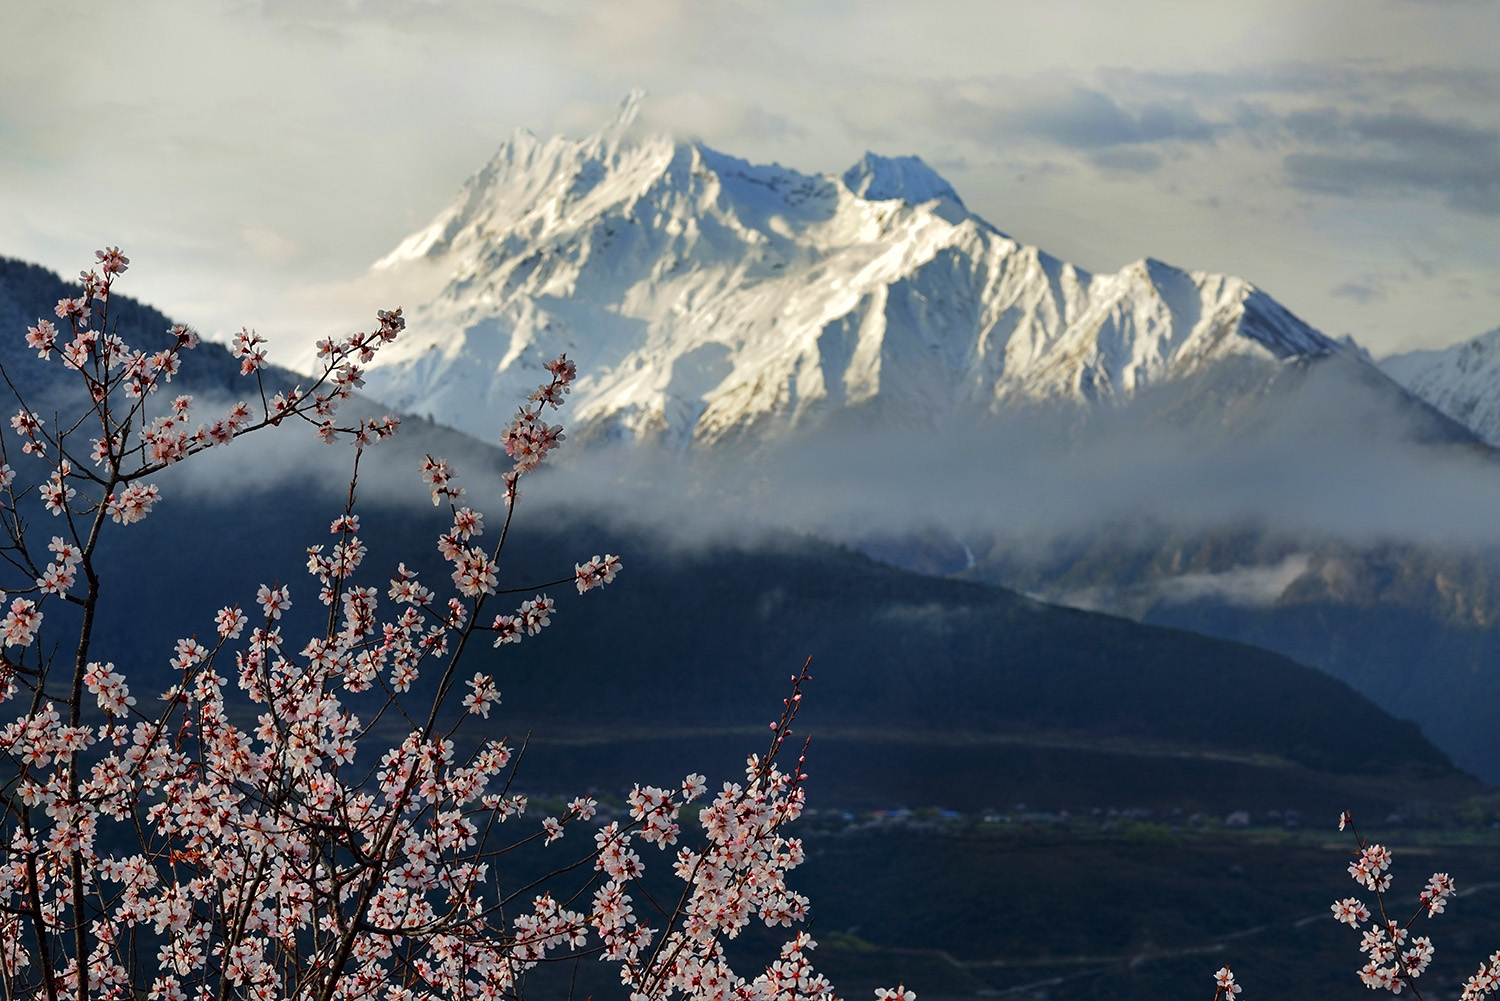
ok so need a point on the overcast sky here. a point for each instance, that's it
(254, 158)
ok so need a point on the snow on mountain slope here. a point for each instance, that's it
(1462, 381)
(706, 298)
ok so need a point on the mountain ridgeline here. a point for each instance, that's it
(29, 292)
(709, 300)
(719, 307)
(1415, 626)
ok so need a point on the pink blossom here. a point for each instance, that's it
(474, 573)
(273, 601)
(507, 629)
(391, 323)
(467, 523)
(528, 439)
(1351, 911)
(21, 623)
(535, 614)
(108, 685)
(439, 474)
(229, 621)
(485, 695)
(26, 423)
(133, 503)
(1225, 981)
(596, 572)
(1434, 897)
(111, 261)
(42, 337)
(64, 552)
(246, 346)
(563, 370)
(56, 493)
(73, 310)
(56, 579)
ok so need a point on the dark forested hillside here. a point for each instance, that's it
(927, 691)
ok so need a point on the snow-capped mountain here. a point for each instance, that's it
(1462, 381)
(704, 297)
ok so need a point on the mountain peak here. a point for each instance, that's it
(615, 131)
(708, 299)
(878, 178)
(628, 111)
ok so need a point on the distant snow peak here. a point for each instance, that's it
(707, 299)
(625, 115)
(1462, 381)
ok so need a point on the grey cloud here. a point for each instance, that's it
(1284, 78)
(1423, 266)
(1246, 586)
(1084, 118)
(1361, 292)
(1473, 187)
(999, 111)
(1445, 138)
(1315, 125)
(1397, 153)
(1350, 79)
(1252, 117)
(1373, 132)
(1331, 461)
(1459, 81)
(1128, 158)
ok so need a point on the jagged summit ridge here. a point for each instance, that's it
(706, 297)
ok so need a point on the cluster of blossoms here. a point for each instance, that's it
(1226, 988)
(109, 687)
(21, 623)
(596, 572)
(1395, 958)
(238, 838)
(529, 620)
(29, 426)
(1484, 983)
(62, 570)
(738, 875)
(438, 475)
(132, 503)
(528, 439)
